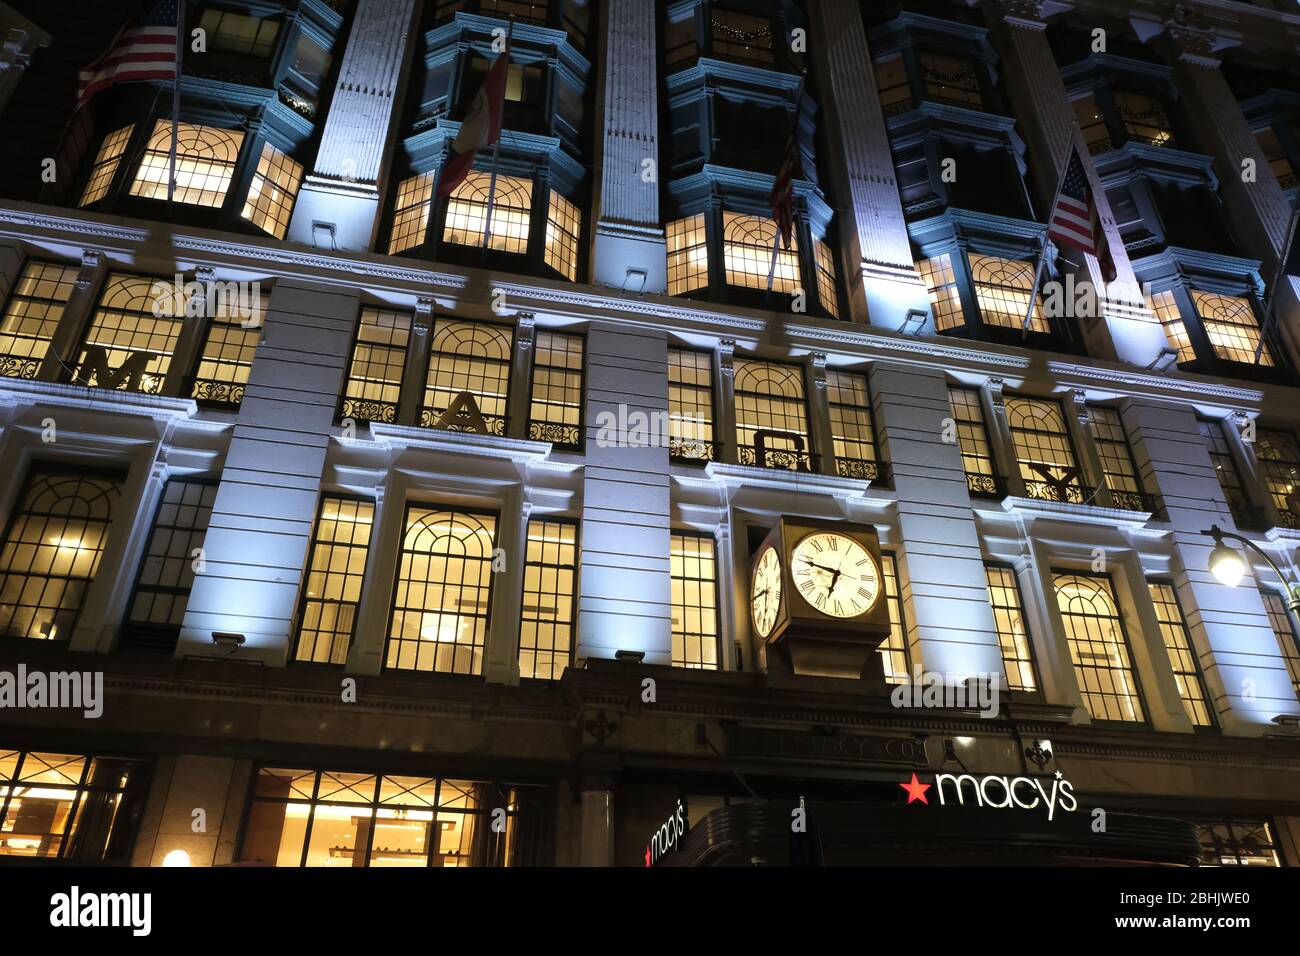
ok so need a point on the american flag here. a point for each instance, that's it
(1075, 221)
(800, 143)
(143, 50)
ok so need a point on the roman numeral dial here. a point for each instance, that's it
(765, 593)
(835, 574)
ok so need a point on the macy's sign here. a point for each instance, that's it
(998, 792)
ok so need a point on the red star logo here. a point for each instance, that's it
(647, 855)
(916, 790)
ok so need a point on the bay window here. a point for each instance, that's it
(105, 165)
(512, 204)
(205, 163)
(273, 191)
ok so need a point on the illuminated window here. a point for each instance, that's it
(444, 590)
(374, 382)
(272, 192)
(555, 412)
(1279, 459)
(690, 405)
(411, 211)
(1145, 119)
(1236, 843)
(105, 166)
(1095, 134)
(1178, 644)
(951, 80)
(205, 161)
(550, 583)
(1117, 466)
(1002, 290)
(1165, 307)
(893, 650)
(53, 547)
(852, 427)
(973, 441)
(132, 335)
(471, 357)
(71, 807)
(236, 33)
(771, 415)
(945, 299)
(336, 570)
(512, 205)
(343, 820)
(747, 244)
(1013, 632)
(32, 315)
(229, 344)
(1225, 467)
(162, 590)
(826, 278)
(742, 38)
(695, 601)
(688, 255)
(1277, 158)
(892, 85)
(1279, 618)
(1098, 646)
(563, 230)
(1044, 450)
(1231, 327)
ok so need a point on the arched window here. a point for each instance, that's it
(771, 415)
(1002, 289)
(1098, 646)
(52, 550)
(512, 204)
(444, 590)
(132, 335)
(471, 357)
(1044, 450)
(205, 162)
(1231, 327)
(747, 245)
(1278, 454)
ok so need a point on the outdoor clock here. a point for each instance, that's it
(816, 598)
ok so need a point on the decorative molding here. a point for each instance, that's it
(780, 479)
(484, 446)
(161, 408)
(1086, 514)
(90, 263)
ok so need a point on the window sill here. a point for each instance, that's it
(1087, 514)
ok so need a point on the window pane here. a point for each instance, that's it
(411, 208)
(1279, 460)
(205, 161)
(892, 85)
(555, 412)
(1145, 119)
(167, 574)
(1165, 307)
(1002, 289)
(1117, 466)
(1279, 618)
(512, 204)
(563, 233)
(826, 286)
(695, 601)
(1098, 646)
(973, 441)
(550, 583)
(272, 192)
(1225, 467)
(229, 344)
(32, 315)
(1013, 633)
(951, 80)
(472, 358)
(105, 166)
(1095, 133)
(52, 549)
(690, 405)
(444, 588)
(1230, 325)
(688, 255)
(1178, 644)
(945, 299)
(1044, 450)
(335, 576)
(1236, 843)
(894, 651)
(741, 37)
(374, 382)
(852, 428)
(747, 246)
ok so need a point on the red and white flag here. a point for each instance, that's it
(480, 129)
(144, 50)
(1074, 220)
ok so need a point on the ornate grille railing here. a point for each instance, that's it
(986, 486)
(216, 392)
(789, 459)
(557, 433)
(694, 451)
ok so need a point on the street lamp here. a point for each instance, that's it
(1229, 566)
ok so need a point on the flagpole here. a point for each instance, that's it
(1042, 253)
(1266, 324)
(496, 147)
(176, 97)
(794, 140)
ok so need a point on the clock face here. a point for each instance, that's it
(765, 594)
(835, 574)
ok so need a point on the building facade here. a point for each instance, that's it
(406, 532)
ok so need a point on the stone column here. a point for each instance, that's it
(1002, 443)
(944, 587)
(1231, 635)
(597, 831)
(64, 346)
(1033, 81)
(195, 806)
(724, 373)
(417, 363)
(629, 250)
(342, 192)
(501, 656)
(823, 440)
(625, 597)
(1079, 423)
(521, 376)
(1258, 211)
(265, 507)
(882, 279)
(366, 655)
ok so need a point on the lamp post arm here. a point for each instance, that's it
(1293, 591)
